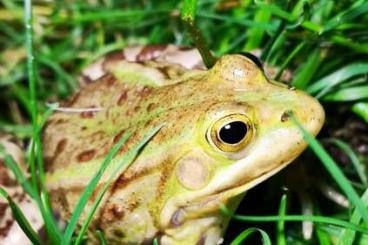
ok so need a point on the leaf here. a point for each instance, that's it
(248, 232)
(359, 167)
(347, 236)
(21, 219)
(348, 94)
(325, 84)
(298, 218)
(361, 109)
(281, 223)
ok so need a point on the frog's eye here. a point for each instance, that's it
(232, 133)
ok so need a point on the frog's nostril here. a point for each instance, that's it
(285, 116)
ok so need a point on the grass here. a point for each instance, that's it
(323, 43)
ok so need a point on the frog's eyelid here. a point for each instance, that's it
(253, 58)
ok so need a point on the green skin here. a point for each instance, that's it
(174, 188)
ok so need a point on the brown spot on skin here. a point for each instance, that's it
(142, 93)
(74, 99)
(86, 155)
(3, 207)
(118, 136)
(136, 108)
(151, 107)
(150, 52)
(86, 79)
(88, 114)
(118, 211)
(109, 79)
(123, 97)
(285, 116)
(201, 240)
(60, 146)
(114, 56)
(5, 179)
(5, 229)
(119, 233)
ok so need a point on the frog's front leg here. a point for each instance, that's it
(203, 231)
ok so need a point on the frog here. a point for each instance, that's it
(222, 131)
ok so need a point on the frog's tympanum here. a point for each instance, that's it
(224, 131)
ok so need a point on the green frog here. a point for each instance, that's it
(225, 130)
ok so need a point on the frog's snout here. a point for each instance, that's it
(309, 113)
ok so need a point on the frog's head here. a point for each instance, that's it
(241, 137)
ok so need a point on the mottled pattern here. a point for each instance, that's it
(138, 89)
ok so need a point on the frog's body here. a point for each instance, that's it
(174, 188)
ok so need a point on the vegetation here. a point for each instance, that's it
(322, 43)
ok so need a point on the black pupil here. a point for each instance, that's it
(233, 132)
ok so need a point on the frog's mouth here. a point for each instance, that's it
(238, 177)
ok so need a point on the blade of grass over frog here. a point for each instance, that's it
(281, 240)
(18, 173)
(101, 237)
(50, 225)
(324, 85)
(334, 170)
(348, 94)
(298, 218)
(240, 239)
(88, 191)
(20, 131)
(353, 158)
(21, 219)
(361, 109)
(188, 12)
(155, 242)
(347, 236)
(122, 164)
(291, 56)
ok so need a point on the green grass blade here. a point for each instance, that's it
(21, 219)
(348, 94)
(280, 234)
(291, 56)
(353, 157)
(334, 170)
(73, 221)
(324, 85)
(155, 242)
(361, 109)
(36, 159)
(18, 173)
(101, 237)
(248, 232)
(123, 163)
(307, 69)
(298, 218)
(347, 236)
(255, 34)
